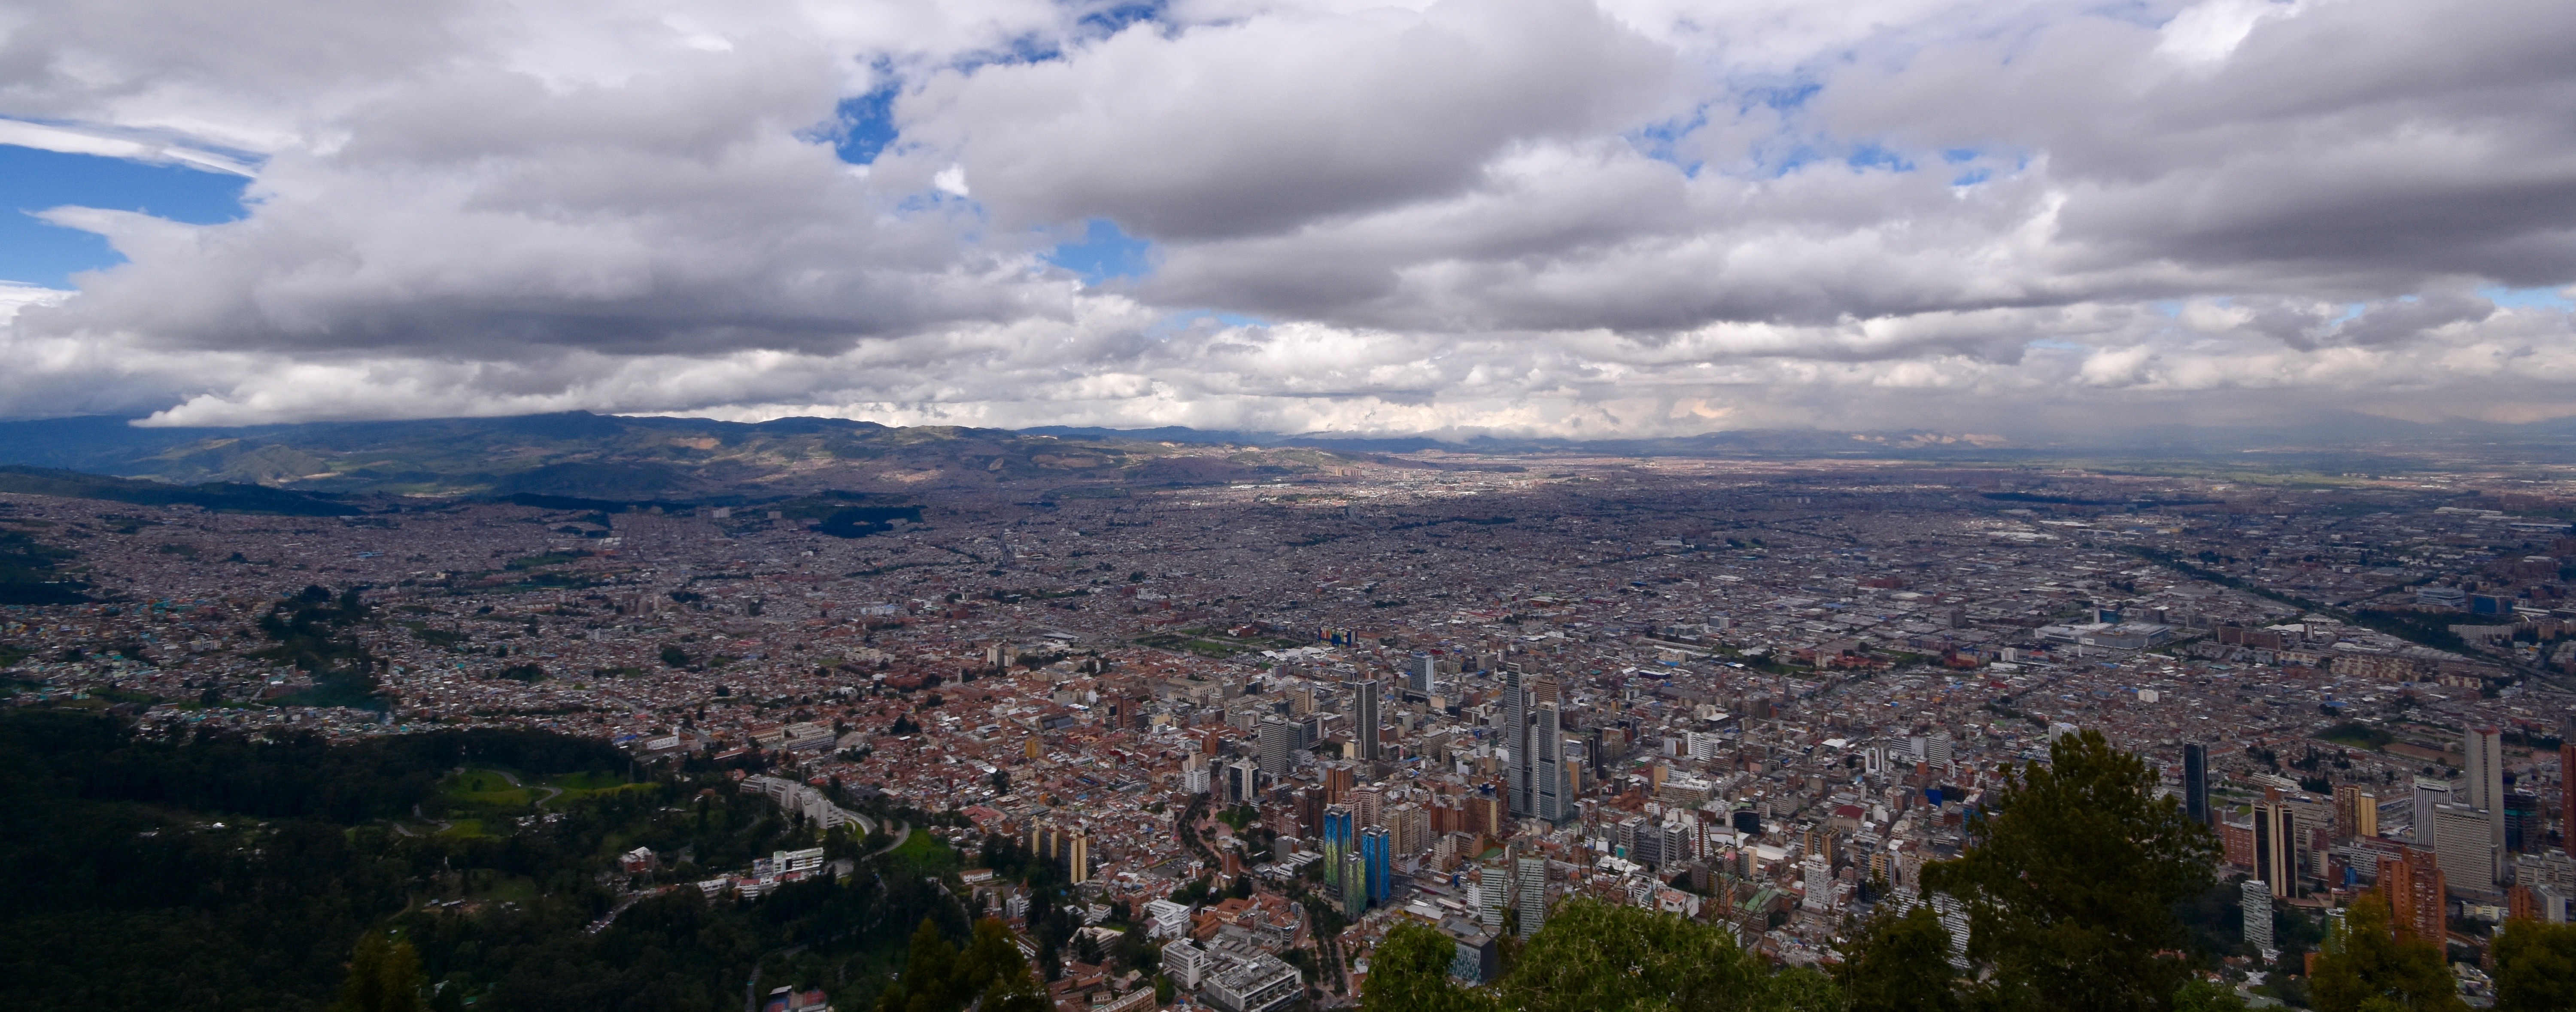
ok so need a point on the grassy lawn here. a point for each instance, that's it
(924, 854)
(486, 788)
(2358, 735)
(587, 781)
(464, 829)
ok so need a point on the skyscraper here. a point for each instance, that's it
(1547, 771)
(1242, 781)
(2523, 828)
(2195, 782)
(2464, 846)
(1419, 674)
(2567, 779)
(2414, 885)
(2356, 813)
(1339, 835)
(1278, 737)
(1377, 852)
(2276, 845)
(1354, 885)
(1338, 781)
(2485, 749)
(1529, 893)
(1493, 894)
(2256, 898)
(1364, 719)
(1515, 742)
(2429, 794)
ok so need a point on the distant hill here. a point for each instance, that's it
(623, 459)
(578, 455)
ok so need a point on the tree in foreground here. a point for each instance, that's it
(1901, 963)
(2207, 996)
(939, 978)
(1595, 957)
(1410, 973)
(384, 976)
(2070, 890)
(2378, 969)
(2535, 967)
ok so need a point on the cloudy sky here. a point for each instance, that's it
(1636, 217)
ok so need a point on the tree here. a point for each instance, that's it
(1595, 957)
(384, 976)
(939, 978)
(1410, 973)
(2377, 969)
(2070, 891)
(2535, 966)
(1901, 964)
(2204, 995)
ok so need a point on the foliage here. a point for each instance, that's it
(384, 976)
(218, 496)
(1410, 973)
(2070, 891)
(2380, 969)
(2203, 995)
(2535, 966)
(27, 572)
(1901, 963)
(1595, 957)
(222, 873)
(2358, 735)
(990, 974)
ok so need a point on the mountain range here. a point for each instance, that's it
(637, 459)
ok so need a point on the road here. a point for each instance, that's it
(551, 792)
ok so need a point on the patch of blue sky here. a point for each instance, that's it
(1972, 177)
(1782, 97)
(2528, 298)
(864, 126)
(34, 251)
(1872, 156)
(2171, 308)
(1662, 141)
(2350, 310)
(1956, 155)
(1104, 252)
(1191, 318)
(1110, 19)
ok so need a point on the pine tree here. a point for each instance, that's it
(2535, 966)
(1410, 973)
(2379, 970)
(2071, 888)
(384, 976)
(1901, 964)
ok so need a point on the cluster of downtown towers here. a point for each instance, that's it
(2467, 828)
(1358, 858)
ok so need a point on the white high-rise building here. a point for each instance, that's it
(2429, 794)
(2256, 898)
(2464, 846)
(1820, 884)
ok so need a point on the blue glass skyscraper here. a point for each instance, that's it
(1338, 840)
(1375, 848)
